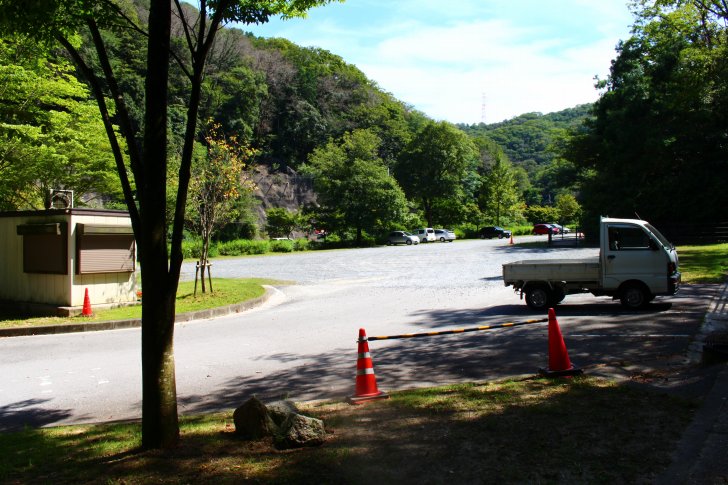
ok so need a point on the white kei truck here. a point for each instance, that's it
(635, 264)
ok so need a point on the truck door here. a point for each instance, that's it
(631, 254)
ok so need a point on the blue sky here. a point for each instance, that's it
(468, 61)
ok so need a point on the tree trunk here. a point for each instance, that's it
(203, 257)
(427, 206)
(160, 427)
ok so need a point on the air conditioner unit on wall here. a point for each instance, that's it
(61, 199)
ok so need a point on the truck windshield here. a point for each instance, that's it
(658, 235)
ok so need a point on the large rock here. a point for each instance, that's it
(298, 431)
(253, 421)
(280, 410)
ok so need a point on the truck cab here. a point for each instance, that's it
(637, 261)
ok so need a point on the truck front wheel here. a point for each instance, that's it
(634, 296)
(537, 297)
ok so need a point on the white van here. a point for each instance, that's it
(426, 234)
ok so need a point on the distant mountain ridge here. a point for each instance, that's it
(528, 139)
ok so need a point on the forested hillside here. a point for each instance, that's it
(533, 142)
(531, 139)
(292, 108)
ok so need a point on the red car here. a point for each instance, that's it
(544, 229)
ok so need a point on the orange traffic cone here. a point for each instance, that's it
(511, 239)
(559, 363)
(86, 305)
(366, 381)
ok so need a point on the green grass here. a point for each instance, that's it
(226, 292)
(580, 430)
(703, 264)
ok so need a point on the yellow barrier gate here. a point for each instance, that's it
(456, 330)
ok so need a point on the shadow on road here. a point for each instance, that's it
(602, 336)
(437, 319)
(29, 413)
(476, 356)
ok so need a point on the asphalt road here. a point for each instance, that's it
(301, 344)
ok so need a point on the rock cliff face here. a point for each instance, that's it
(285, 188)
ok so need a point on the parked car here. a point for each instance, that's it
(426, 234)
(562, 229)
(444, 235)
(490, 232)
(544, 229)
(402, 237)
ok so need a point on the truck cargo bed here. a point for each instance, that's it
(573, 270)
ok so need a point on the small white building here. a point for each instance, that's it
(49, 258)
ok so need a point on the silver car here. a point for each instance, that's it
(402, 237)
(444, 235)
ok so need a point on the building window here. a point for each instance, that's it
(45, 247)
(104, 249)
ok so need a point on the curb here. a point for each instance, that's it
(134, 323)
(715, 321)
(700, 453)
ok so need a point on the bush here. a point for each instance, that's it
(466, 231)
(522, 230)
(192, 248)
(301, 244)
(331, 241)
(237, 230)
(285, 246)
(459, 233)
(240, 247)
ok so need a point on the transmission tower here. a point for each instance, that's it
(482, 109)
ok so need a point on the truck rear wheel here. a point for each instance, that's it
(634, 296)
(538, 297)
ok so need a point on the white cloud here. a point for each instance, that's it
(444, 71)
(441, 57)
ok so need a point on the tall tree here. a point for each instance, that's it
(280, 222)
(658, 139)
(58, 23)
(499, 196)
(353, 183)
(568, 207)
(51, 136)
(435, 164)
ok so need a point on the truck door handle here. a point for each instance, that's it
(611, 256)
